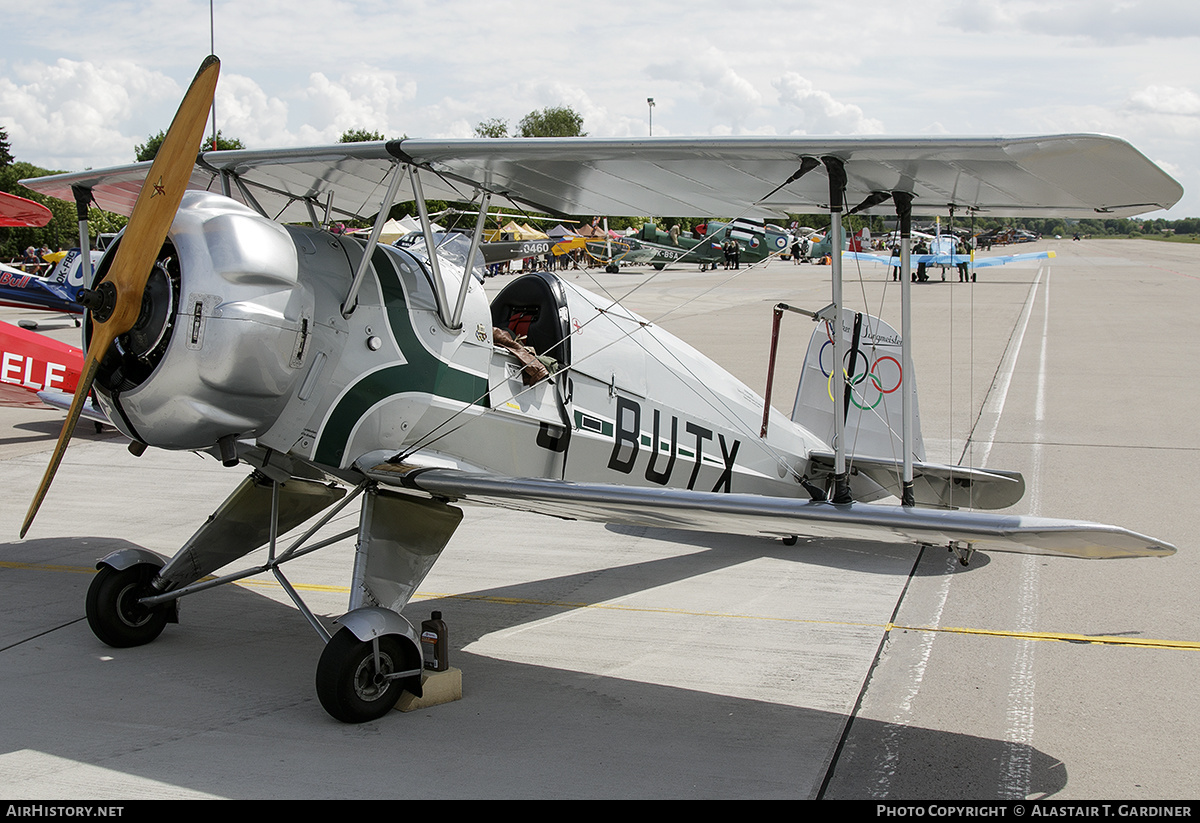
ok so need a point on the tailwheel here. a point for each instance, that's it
(113, 611)
(353, 683)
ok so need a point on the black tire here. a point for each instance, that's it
(113, 612)
(347, 682)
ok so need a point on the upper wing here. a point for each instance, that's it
(757, 514)
(1064, 175)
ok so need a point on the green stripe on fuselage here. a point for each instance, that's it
(422, 373)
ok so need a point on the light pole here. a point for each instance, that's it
(650, 104)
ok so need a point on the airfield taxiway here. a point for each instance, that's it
(637, 663)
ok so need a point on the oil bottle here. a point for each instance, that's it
(435, 643)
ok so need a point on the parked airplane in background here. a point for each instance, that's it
(31, 363)
(218, 324)
(945, 257)
(40, 371)
(704, 245)
(19, 212)
(57, 291)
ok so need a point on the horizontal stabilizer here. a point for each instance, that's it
(780, 517)
(936, 484)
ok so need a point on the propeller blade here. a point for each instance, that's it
(119, 297)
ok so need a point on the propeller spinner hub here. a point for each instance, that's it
(100, 301)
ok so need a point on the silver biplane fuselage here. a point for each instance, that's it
(259, 316)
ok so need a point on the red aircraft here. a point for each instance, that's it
(31, 363)
(17, 211)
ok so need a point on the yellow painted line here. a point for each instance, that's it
(618, 607)
(46, 567)
(248, 582)
(251, 583)
(1063, 637)
(1107, 640)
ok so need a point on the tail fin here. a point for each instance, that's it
(873, 368)
(69, 277)
(874, 422)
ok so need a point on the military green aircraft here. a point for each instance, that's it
(705, 245)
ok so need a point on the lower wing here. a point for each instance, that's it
(772, 516)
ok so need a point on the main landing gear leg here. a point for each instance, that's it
(133, 596)
(373, 657)
(377, 653)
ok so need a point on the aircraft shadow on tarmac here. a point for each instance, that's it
(48, 430)
(857, 555)
(223, 704)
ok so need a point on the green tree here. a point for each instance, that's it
(552, 121)
(6, 157)
(62, 232)
(147, 150)
(360, 136)
(495, 127)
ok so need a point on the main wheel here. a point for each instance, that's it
(113, 612)
(350, 686)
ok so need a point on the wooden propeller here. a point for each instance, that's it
(117, 301)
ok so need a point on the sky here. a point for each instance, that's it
(82, 83)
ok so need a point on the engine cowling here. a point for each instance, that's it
(221, 339)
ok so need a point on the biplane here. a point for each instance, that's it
(228, 319)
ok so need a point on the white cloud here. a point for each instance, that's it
(706, 78)
(1169, 100)
(819, 112)
(245, 112)
(72, 113)
(374, 100)
(963, 66)
(1102, 21)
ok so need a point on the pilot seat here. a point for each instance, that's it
(534, 310)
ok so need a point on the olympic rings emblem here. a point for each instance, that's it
(885, 370)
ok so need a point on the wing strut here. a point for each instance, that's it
(476, 238)
(83, 197)
(373, 240)
(903, 201)
(837, 189)
(439, 285)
